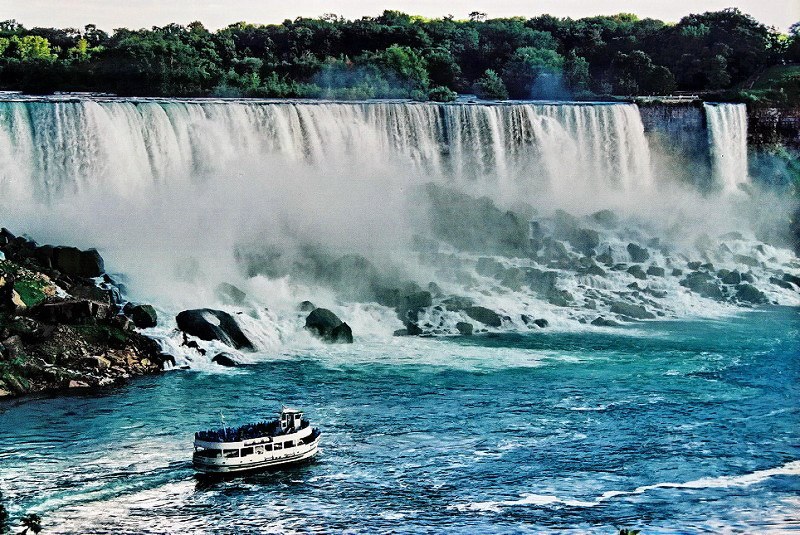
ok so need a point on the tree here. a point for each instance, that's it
(526, 66)
(32, 522)
(491, 86)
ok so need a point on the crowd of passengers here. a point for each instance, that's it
(245, 432)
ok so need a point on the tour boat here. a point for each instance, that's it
(289, 439)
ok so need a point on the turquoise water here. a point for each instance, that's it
(674, 427)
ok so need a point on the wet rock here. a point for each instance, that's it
(143, 316)
(637, 271)
(782, 283)
(677, 272)
(560, 298)
(306, 306)
(606, 258)
(77, 384)
(456, 303)
(703, 284)
(97, 362)
(731, 277)
(73, 261)
(488, 267)
(541, 323)
(750, 294)
(632, 311)
(542, 282)
(590, 304)
(694, 265)
(416, 300)
(596, 270)
(225, 359)
(746, 260)
(791, 278)
(656, 271)
(606, 218)
(638, 254)
(464, 328)
(748, 277)
(230, 295)
(603, 322)
(583, 240)
(484, 315)
(208, 324)
(327, 326)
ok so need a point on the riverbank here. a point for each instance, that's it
(62, 323)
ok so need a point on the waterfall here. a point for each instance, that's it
(52, 148)
(727, 134)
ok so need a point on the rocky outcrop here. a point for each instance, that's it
(143, 316)
(638, 254)
(225, 359)
(631, 310)
(484, 315)
(327, 326)
(209, 324)
(59, 329)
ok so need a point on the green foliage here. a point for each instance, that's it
(627, 531)
(32, 522)
(400, 55)
(491, 86)
(442, 94)
(30, 291)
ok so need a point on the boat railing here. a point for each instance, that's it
(246, 432)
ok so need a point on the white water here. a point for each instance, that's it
(727, 134)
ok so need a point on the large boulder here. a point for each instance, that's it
(638, 254)
(464, 328)
(143, 316)
(750, 294)
(225, 359)
(637, 271)
(73, 261)
(484, 315)
(584, 240)
(606, 218)
(656, 271)
(630, 310)
(703, 284)
(327, 326)
(208, 324)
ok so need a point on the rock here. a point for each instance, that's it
(17, 301)
(632, 311)
(143, 316)
(342, 334)
(677, 272)
(464, 328)
(603, 322)
(656, 271)
(306, 306)
(489, 267)
(541, 323)
(327, 326)
(230, 295)
(4, 393)
(637, 271)
(703, 284)
(746, 260)
(400, 332)
(584, 240)
(750, 294)
(791, 278)
(694, 266)
(73, 261)
(456, 303)
(731, 277)
(208, 324)
(416, 300)
(638, 254)
(748, 277)
(606, 258)
(596, 270)
(484, 315)
(93, 293)
(97, 362)
(77, 384)
(225, 359)
(70, 311)
(782, 283)
(560, 298)
(606, 218)
(590, 304)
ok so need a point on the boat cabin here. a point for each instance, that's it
(291, 418)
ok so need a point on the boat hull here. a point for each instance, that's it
(226, 466)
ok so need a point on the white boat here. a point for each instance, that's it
(289, 439)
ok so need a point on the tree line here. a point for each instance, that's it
(396, 55)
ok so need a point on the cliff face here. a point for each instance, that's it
(773, 126)
(678, 133)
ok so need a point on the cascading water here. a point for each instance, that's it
(727, 136)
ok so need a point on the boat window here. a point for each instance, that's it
(259, 449)
(268, 447)
(278, 446)
(289, 444)
(230, 453)
(247, 451)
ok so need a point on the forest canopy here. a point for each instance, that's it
(396, 55)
